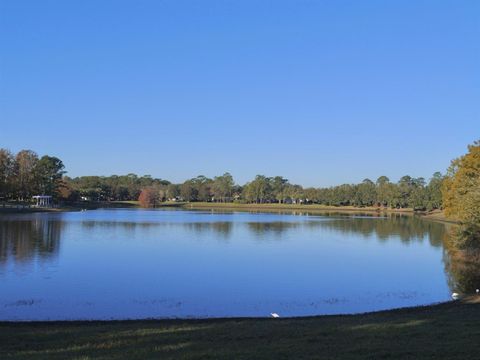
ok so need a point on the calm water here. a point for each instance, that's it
(106, 264)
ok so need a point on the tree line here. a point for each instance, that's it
(408, 192)
(108, 188)
(25, 174)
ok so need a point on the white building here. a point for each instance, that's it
(42, 200)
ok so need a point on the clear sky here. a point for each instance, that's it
(321, 92)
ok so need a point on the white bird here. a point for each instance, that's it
(274, 315)
(455, 296)
(477, 291)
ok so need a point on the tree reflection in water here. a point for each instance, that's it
(39, 237)
(462, 263)
(22, 241)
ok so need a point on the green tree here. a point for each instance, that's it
(382, 180)
(173, 191)
(204, 187)
(365, 194)
(278, 184)
(223, 187)
(434, 192)
(188, 191)
(258, 190)
(7, 168)
(48, 175)
(406, 185)
(383, 186)
(25, 184)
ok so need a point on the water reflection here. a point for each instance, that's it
(27, 238)
(223, 229)
(276, 228)
(461, 264)
(22, 241)
(406, 228)
(186, 263)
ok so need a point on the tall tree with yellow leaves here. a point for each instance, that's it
(461, 192)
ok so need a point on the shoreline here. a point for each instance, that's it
(10, 209)
(435, 215)
(470, 299)
(306, 207)
(411, 332)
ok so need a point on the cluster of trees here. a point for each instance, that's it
(25, 174)
(461, 194)
(219, 189)
(408, 192)
(108, 188)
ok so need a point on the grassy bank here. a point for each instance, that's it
(438, 215)
(445, 331)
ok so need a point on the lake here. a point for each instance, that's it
(133, 263)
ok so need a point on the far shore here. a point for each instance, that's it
(435, 215)
(299, 207)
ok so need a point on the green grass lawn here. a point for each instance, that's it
(445, 331)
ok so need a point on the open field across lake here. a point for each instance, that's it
(445, 331)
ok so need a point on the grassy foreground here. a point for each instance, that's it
(445, 331)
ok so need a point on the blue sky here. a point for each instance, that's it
(322, 92)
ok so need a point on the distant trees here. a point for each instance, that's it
(222, 187)
(434, 192)
(365, 193)
(24, 174)
(279, 185)
(408, 192)
(258, 190)
(149, 197)
(7, 170)
(461, 192)
(172, 192)
(188, 191)
(204, 187)
(49, 172)
(384, 191)
(113, 188)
